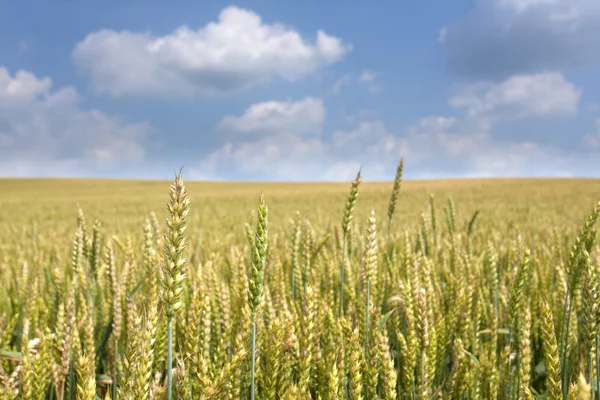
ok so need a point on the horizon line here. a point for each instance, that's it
(458, 178)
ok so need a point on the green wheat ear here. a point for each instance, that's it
(173, 262)
(350, 203)
(395, 189)
(259, 254)
(175, 243)
(393, 199)
(256, 280)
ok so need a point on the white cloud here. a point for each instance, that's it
(341, 82)
(433, 136)
(273, 117)
(469, 142)
(520, 96)
(280, 157)
(234, 53)
(436, 144)
(520, 6)
(24, 87)
(365, 137)
(342, 171)
(366, 79)
(291, 154)
(500, 38)
(273, 137)
(472, 147)
(433, 146)
(269, 141)
(367, 76)
(45, 131)
(274, 140)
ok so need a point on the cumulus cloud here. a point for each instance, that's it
(437, 141)
(465, 145)
(303, 117)
(235, 52)
(520, 96)
(354, 141)
(472, 147)
(24, 87)
(283, 140)
(282, 157)
(440, 146)
(46, 132)
(272, 139)
(500, 38)
(469, 142)
(285, 153)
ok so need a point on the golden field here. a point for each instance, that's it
(122, 205)
(508, 308)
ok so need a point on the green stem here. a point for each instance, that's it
(71, 392)
(294, 282)
(115, 372)
(422, 388)
(169, 359)
(562, 339)
(597, 368)
(389, 250)
(253, 360)
(87, 284)
(591, 376)
(342, 276)
(389, 230)
(367, 321)
(513, 371)
(565, 361)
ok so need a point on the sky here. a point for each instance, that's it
(299, 90)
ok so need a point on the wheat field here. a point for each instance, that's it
(457, 289)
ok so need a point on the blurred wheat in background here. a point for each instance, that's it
(475, 289)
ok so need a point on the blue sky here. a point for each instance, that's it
(300, 90)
